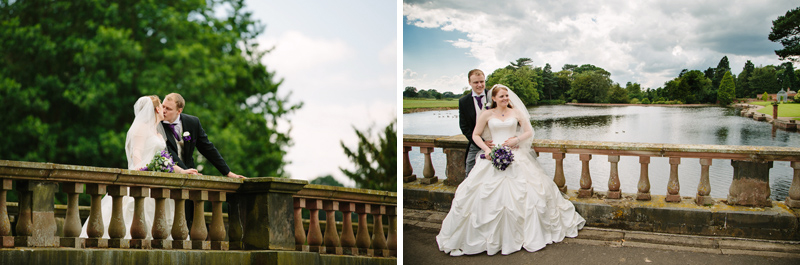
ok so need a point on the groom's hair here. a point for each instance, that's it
(474, 72)
(177, 98)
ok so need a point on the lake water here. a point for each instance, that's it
(673, 125)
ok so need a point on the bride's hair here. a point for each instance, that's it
(156, 102)
(494, 93)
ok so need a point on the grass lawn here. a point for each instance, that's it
(429, 103)
(784, 110)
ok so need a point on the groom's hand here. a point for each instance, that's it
(191, 171)
(488, 142)
(234, 175)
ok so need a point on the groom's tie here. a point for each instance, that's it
(480, 101)
(177, 138)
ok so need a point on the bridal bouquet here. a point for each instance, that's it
(162, 162)
(501, 157)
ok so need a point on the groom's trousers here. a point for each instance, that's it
(471, 153)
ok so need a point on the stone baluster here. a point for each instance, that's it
(704, 188)
(408, 172)
(5, 225)
(379, 247)
(314, 231)
(72, 222)
(95, 228)
(180, 230)
(391, 212)
(237, 220)
(586, 190)
(428, 172)
(299, 231)
(613, 178)
(199, 232)
(362, 236)
(217, 233)
(24, 223)
(793, 199)
(644, 179)
(348, 241)
(161, 228)
(116, 227)
(558, 177)
(139, 224)
(331, 239)
(674, 185)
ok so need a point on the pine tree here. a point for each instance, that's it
(727, 90)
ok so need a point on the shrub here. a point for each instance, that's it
(646, 101)
(635, 101)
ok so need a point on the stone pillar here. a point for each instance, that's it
(315, 239)
(116, 227)
(793, 199)
(456, 167)
(379, 247)
(199, 232)
(586, 190)
(391, 212)
(774, 112)
(428, 172)
(237, 217)
(180, 230)
(331, 239)
(299, 231)
(674, 185)
(95, 228)
(408, 172)
(704, 188)
(348, 237)
(139, 224)
(72, 222)
(558, 177)
(217, 233)
(5, 225)
(644, 179)
(161, 228)
(362, 237)
(750, 185)
(269, 213)
(613, 179)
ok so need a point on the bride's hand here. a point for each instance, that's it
(511, 142)
(191, 171)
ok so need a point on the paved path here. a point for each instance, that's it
(601, 246)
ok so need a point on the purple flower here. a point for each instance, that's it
(502, 157)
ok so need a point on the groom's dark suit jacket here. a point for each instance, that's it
(467, 116)
(199, 140)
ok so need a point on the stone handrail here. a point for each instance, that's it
(261, 210)
(751, 165)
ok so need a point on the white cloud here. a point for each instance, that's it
(295, 52)
(388, 55)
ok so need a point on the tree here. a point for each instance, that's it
(727, 90)
(719, 72)
(549, 83)
(765, 79)
(375, 162)
(410, 92)
(634, 90)
(521, 62)
(786, 30)
(743, 88)
(326, 180)
(71, 70)
(765, 97)
(787, 78)
(523, 82)
(617, 94)
(590, 87)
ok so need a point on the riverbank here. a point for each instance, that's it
(416, 105)
(790, 111)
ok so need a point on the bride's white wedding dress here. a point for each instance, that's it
(144, 140)
(505, 211)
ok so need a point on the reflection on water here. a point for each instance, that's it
(673, 125)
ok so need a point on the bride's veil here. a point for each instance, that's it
(519, 107)
(138, 149)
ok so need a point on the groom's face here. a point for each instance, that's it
(477, 82)
(171, 110)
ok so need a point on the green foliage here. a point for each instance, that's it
(326, 180)
(617, 94)
(727, 90)
(590, 87)
(743, 88)
(635, 101)
(646, 101)
(722, 68)
(765, 97)
(376, 162)
(634, 90)
(786, 30)
(765, 79)
(410, 92)
(797, 98)
(522, 81)
(70, 71)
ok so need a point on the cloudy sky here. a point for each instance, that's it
(341, 62)
(648, 42)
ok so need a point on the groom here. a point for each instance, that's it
(470, 107)
(184, 134)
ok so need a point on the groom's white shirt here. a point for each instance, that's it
(486, 135)
(179, 131)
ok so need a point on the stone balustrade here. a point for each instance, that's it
(751, 164)
(329, 199)
(261, 211)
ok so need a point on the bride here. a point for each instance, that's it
(145, 138)
(506, 210)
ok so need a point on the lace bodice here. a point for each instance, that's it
(502, 130)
